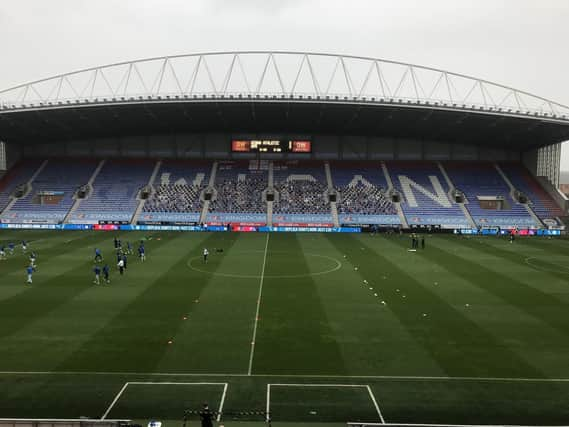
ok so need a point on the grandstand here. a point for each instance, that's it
(176, 191)
(477, 180)
(381, 193)
(363, 189)
(115, 192)
(185, 171)
(240, 196)
(425, 194)
(59, 179)
(302, 190)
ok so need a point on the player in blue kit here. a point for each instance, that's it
(106, 273)
(97, 271)
(33, 260)
(98, 256)
(11, 248)
(29, 271)
(142, 253)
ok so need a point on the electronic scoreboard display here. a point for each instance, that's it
(270, 146)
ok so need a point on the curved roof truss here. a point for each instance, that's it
(277, 75)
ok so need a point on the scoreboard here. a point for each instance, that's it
(270, 146)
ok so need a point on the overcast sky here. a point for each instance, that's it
(520, 43)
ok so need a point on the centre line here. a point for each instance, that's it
(258, 307)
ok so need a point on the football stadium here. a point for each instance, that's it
(293, 238)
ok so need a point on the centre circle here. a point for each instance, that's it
(535, 262)
(288, 261)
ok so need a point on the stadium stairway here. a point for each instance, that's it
(452, 187)
(89, 184)
(210, 185)
(28, 183)
(513, 195)
(333, 205)
(270, 186)
(561, 201)
(141, 201)
(271, 177)
(12, 179)
(545, 200)
(400, 213)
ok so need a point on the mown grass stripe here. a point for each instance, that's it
(55, 248)
(294, 335)
(44, 295)
(216, 335)
(459, 345)
(137, 337)
(532, 301)
(515, 254)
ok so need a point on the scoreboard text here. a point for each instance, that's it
(270, 146)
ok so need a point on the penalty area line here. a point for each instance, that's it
(252, 354)
(164, 383)
(365, 387)
(115, 400)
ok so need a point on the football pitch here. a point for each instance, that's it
(309, 328)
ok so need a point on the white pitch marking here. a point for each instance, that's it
(251, 355)
(364, 386)
(214, 374)
(268, 408)
(277, 276)
(119, 394)
(169, 383)
(540, 268)
(115, 400)
(221, 403)
(318, 385)
(372, 396)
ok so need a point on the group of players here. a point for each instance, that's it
(415, 241)
(31, 268)
(122, 260)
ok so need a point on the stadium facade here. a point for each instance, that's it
(414, 127)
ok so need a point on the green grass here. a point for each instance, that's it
(472, 330)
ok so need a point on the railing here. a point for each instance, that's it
(79, 422)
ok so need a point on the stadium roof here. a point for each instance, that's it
(279, 92)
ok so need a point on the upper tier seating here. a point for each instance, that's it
(177, 187)
(239, 188)
(114, 191)
(542, 203)
(59, 176)
(19, 174)
(482, 179)
(362, 188)
(302, 188)
(424, 194)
